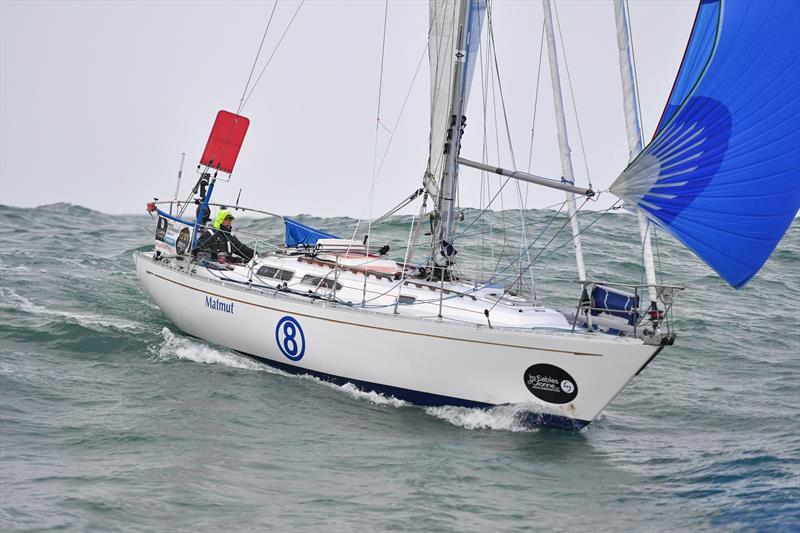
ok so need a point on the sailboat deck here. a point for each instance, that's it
(451, 302)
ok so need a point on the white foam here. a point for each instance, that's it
(372, 397)
(187, 349)
(13, 300)
(502, 417)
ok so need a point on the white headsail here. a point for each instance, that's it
(453, 40)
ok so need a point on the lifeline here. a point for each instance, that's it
(219, 305)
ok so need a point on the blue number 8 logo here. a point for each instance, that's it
(290, 338)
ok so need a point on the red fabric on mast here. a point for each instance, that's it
(225, 141)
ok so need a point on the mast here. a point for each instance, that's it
(633, 125)
(563, 142)
(449, 182)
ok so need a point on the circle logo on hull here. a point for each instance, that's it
(550, 383)
(290, 338)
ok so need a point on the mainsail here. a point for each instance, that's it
(722, 173)
(443, 52)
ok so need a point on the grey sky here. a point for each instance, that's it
(98, 99)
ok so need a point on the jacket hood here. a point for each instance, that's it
(221, 216)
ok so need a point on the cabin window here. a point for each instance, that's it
(317, 281)
(275, 273)
(406, 300)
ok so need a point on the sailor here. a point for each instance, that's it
(223, 243)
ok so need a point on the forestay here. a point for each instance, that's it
(722, 173)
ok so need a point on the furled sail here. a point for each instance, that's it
(443, 53)
(722, 173)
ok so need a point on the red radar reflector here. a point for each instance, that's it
(225, 141)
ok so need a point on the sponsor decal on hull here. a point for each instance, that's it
(550, 383)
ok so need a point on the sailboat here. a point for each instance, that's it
(721, 174)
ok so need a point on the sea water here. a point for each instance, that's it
(112, 420)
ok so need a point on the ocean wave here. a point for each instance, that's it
(371, 396)
(12, 301)
(182, 348)
(502, 417)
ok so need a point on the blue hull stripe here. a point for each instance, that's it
(426, 399)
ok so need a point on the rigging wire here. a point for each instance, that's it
(380, 91)
(536, 98)
(541, 233)
(255, 84)
(641, 132)
(572, 96)
(391, 138)
(402, 109)
(255, 61)
(582, 230)
(507, 126)
(406, 258)
(533, 131)
(394, 128)
(371, 197)
(493, 76)
(485, 180)
(531, 263)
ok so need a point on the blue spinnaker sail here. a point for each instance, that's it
(298, 234)
(722, 173)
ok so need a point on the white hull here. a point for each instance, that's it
(425, 361)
